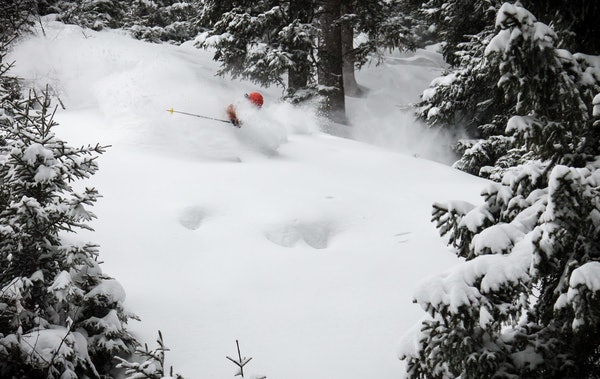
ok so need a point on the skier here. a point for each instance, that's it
(254, 97)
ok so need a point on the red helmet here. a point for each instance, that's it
(255, 98)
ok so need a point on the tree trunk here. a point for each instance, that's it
(351, 87)
(331, 76)
(298, 76)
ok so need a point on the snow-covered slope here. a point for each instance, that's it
(304, 246)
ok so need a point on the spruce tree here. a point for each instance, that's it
(263, 41)
(387, 25)
(94, 14)
(16, 17)
(266, 41)
(466, 100)
(575, 22)
(162, 21)
(526, 76)
(525, 301)
(60, 316)
(454, 21)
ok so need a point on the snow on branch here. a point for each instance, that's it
(583, 296)
(517, 24)
(587, 275)
(467, 283)
(596, 103)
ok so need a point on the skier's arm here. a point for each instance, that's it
(232, 115)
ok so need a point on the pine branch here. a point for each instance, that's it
(70, 324)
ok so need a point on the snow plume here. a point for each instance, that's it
(133, 84)
(385, 116)
(398, 130)
(266, 129)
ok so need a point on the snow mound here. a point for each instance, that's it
(314, 234)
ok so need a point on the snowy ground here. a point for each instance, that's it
(304, 246)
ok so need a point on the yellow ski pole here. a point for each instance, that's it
(197, 115)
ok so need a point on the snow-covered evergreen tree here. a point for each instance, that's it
(454, 21)
(16, 16)
(60, 316)
(575, 22)
(163, 20)
(267, 41)
(263, 41)
(385, 24)
(525, 302)
(93, 14)
(466, 99)
(518, 72)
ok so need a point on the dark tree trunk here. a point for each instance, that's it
(301, 10)
(351, 87)
(331, 77)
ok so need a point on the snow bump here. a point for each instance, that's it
(192, 217)
(314, 234)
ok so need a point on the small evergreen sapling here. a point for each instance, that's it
(241, 362)
(152, 365)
